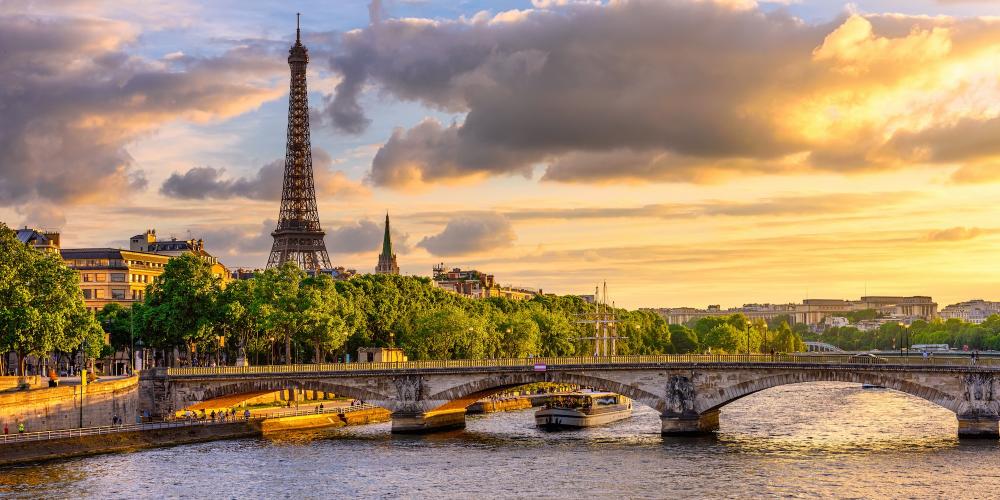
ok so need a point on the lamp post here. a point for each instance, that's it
(748, 336)
(131, 335)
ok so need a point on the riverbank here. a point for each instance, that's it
(119, 442)
(21, 452)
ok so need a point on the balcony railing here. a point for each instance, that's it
(543, 363)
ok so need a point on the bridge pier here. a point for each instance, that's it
(431, 421)
(690, 425)
(978, 427)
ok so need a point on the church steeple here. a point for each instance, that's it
(386, 240)
(387, 259)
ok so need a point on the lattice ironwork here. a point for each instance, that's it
(299, 236)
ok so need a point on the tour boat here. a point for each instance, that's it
(583, 409)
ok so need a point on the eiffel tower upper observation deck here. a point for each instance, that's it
(298, 237)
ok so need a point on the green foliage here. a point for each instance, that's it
(41, 306)
(683, 339)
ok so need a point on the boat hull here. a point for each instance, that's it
(564, 418)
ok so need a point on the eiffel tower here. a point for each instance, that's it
(298, 237)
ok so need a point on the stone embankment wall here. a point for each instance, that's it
(6, 383)
(70, 407)
(490, 406)
(360, 417)
(35, 451)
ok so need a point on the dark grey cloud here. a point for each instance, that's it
(265, 184)
(471, 233)
(73, 99)
(639, 90)
(641, 76)
(208, 182)
(364, 236)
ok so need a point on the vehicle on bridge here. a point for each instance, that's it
(868, 358)
(930, 348)
(583, 409)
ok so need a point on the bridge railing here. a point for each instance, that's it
(542, 363)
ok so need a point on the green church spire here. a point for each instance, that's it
(386, 241)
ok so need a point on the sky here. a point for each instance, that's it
(687, 152)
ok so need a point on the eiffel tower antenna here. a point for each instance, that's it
(299, 236)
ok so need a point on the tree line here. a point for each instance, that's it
(891, 336)
(282, 315)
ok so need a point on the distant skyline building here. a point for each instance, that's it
(387, 259)
(477, 285)
(813, 311)
(147, 242)
(975, 311)
(299, 236)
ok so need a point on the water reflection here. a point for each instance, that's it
(811, 440)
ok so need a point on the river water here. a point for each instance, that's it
(796, 441)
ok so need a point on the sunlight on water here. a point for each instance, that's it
(800, 441)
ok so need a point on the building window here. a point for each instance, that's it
(118, 293)
(101, 277)
(88, 277)
(87, 293)
(118, 277)
(99, 293)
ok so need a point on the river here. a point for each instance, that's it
(799, 441)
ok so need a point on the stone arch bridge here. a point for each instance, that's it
(688, 391)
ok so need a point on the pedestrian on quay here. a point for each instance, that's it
(20, 428)
(246, 414)
(5, 429)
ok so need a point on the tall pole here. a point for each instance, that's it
(131, 334)
(748, 336)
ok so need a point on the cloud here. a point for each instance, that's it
(73, 99)
(471, 233)
(364, 236)
(955, 234)
(237, 242)
(661, 91)
(782, 206)
(266, 184)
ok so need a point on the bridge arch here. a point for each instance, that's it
(712, 402)
(264, 386)
(464, 395)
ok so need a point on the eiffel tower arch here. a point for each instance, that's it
(298, 237)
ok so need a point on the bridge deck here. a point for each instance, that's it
(667, 360)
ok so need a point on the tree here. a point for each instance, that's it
(785, 340)
(183, 303)
(445, 332)
(520, 336)
(683, 339)
(41, 306)
(118, 322)
(322, 311)
(277, 292)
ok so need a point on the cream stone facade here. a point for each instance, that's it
(110, 275)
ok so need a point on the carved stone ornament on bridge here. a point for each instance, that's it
(979, 392)
(409, 390)
(680, 396)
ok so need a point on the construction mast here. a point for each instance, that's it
(605, 324)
